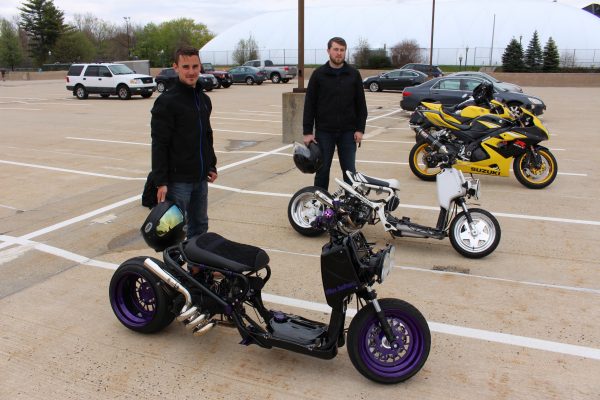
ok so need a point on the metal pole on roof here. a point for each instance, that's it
(431, 44)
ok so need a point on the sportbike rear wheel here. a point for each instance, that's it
(374, 356)
(417, 160)
(536, 171)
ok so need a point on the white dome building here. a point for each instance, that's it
(463, 29)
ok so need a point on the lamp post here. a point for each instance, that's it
(431, 44)
(127, 19)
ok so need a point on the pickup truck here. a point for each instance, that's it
(276, 73)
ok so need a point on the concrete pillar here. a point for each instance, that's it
(292, 110)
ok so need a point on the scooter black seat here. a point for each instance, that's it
(391, 183)
(216, 251)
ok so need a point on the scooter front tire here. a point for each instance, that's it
(378, 360)
(139, 299)
(488, 234)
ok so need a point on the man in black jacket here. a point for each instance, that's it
(183, 157)
(335, 105)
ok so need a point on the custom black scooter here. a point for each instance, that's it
(388, 339)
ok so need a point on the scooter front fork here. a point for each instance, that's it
(463, 205)
(383, 322)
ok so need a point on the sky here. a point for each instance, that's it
(217, 15)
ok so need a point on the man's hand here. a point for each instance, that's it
(358, 137)
(309, 138)
(161, 193)
(212, 176)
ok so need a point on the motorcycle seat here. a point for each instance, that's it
(214, 250)
(391, 183)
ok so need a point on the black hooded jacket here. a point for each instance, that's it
(335, 101)
(182, 138)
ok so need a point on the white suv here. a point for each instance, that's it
(108, 79)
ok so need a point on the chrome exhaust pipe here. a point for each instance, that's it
(189, 314)
(431, 140)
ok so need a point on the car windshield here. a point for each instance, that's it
(120, 69)
(491, 78)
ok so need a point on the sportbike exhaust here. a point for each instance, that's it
(436, 144)
(191, 317)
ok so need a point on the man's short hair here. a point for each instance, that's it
(185, 51)
(337, 40)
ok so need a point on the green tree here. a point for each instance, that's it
(158, 43)
(74, 47)
(512, 59)
(44, 23)
(533, 55)
(10, 49)
(551, 56)
(245, 50)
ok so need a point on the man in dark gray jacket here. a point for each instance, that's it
(335, 106)
(183, 157)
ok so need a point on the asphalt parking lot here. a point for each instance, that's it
(521, 323)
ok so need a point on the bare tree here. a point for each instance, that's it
(407, 51)
(245, 50)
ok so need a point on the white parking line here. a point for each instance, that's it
(246, 119)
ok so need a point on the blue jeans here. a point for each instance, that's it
(192, 198)
(346, 148)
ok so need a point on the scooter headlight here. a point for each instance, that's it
(473, 188)
(386, 264)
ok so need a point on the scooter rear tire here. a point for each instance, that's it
(371, 353)
(139, 299)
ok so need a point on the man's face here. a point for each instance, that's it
(188, 69)
(337, 54)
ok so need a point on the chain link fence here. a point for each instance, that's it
(476, 56)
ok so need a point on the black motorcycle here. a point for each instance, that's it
(388, 339)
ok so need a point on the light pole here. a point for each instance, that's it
(127, 19)
(431, 45)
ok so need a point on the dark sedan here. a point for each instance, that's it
(168, 76)
(452, 90)
(397, 79)
(504, 85)
(247, 75)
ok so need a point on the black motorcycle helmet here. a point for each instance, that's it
(483, 93)
(164, 226)
(307, 158)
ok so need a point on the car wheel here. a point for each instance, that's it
(276, 78)
(374, 87)
(160, 86)
(123, 92)
(249, 80)
(515, 108)
(80, 92)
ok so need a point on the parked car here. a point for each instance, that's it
(168, 76)
(223, 77)
(429, 70)
(397, 79)
(247, 75)
(276, 73)
(108, 79)
(504, 85)
(451, 90)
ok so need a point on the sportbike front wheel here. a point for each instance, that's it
(476, 244)
(419, 163)
(536, 171)
(138, 298)
(374, 356)
(304, 208)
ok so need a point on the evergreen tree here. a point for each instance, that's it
(551, 56)
(533, 54)
(10, 49)
(44, 24)
(512, 59)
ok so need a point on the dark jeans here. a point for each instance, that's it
(192, 198)
(346, 148)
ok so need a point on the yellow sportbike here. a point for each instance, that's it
(486, 144)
